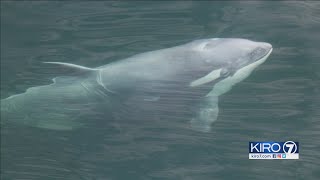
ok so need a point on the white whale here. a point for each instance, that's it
(194, 74)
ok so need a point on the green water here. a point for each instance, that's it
(280, 100)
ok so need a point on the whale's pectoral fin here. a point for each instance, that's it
(206, 114)
(206, 79)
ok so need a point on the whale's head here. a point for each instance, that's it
(230, 60)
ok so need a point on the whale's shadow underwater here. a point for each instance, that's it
(182, 81)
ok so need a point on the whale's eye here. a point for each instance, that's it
(224, 72)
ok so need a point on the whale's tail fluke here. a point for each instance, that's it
(57, 106)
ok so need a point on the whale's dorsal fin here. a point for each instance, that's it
(74, 67)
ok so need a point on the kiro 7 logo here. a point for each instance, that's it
(288, 147)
